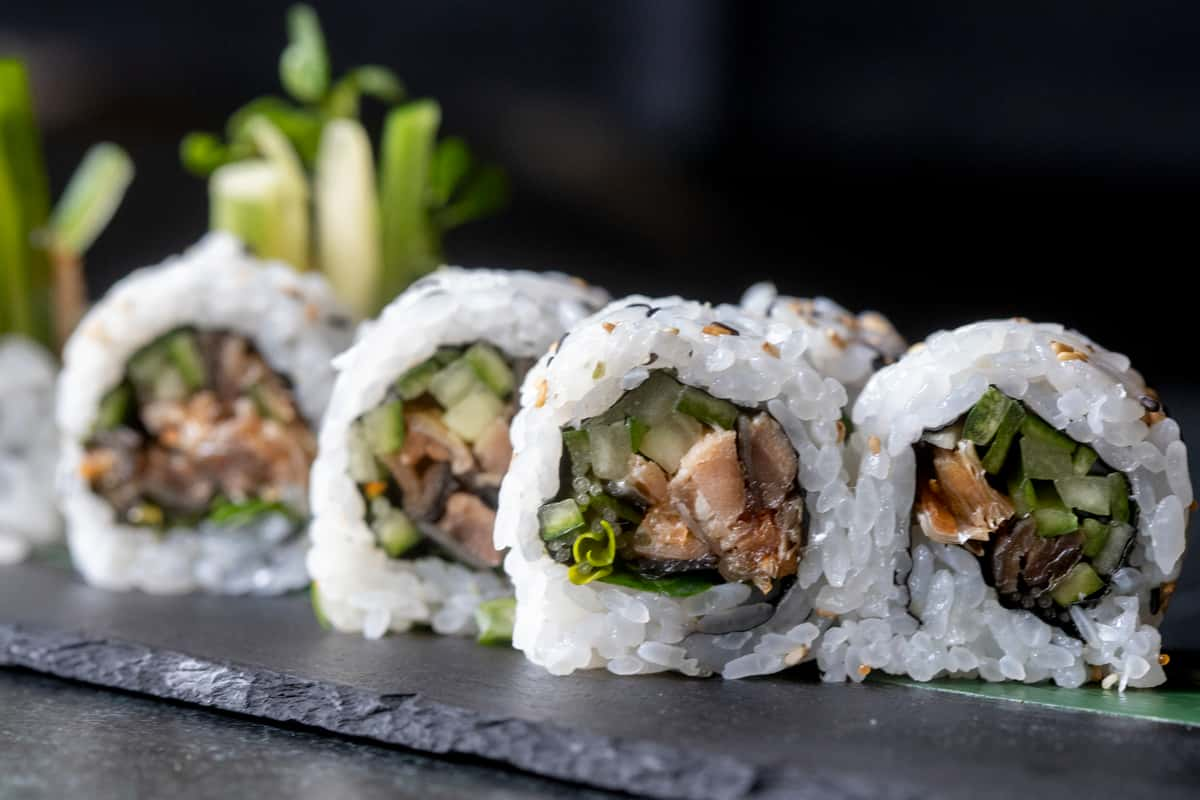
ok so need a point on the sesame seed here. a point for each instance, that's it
(543, 388)
(795, 655)
(836, 338)
(718, 329)
(770, 349)
(841, 431)
(874, 443)
(1163, 659)
(864, 670)
(671, 331)
(609, 327)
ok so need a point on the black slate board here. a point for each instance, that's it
(661, 736)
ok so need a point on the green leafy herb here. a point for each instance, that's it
(304, 65)
(226, 512)
(672, 585)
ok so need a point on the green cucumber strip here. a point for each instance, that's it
(472, 415)
(361, 464)
(91, 198)
(652, 401)
(410, 243)
(984, 418)
(1046, 496)
(491, 368)
(393, 529)
(454, 382)
(314, 597)
(415, 382)
(610, 450)
(1077, 585)
(1023, 494)
(559, 519)
(1108, 559)
(494, 619)
(1042, 461)
(383, 428)
(1036, 428)
(619, 508)
(185, 355)
(707, 408)
(1083, 459)
(668, 442)
(579, 450)
(1052, 522)
(113, 408)
(997, 453)
(1118, 485)
(1095, 535)
(671, 586)
(1085, 494)
(447, 355)
(637, 432)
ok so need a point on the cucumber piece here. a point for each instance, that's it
(185, 355)
(1042, 461)
(1083, 459)
(1085, 494)
(447, 355)
(668, 442)
(559, 519)
(707, 408)
(472, 415)
(1053, 522)
(997, 453)
(314, 596)
(1109, 558)
(651, 402)
(491, 368)
(494, 619)
(415, 382)
(1046, 496)
(1076, 585)
(1022, 493)
(984, 418)
(1118, 487)
(394, 531)
(620, 509)
(383, 428)
(154, 375)
(1036, 428)
(360, 461)
(579, 450)
(637, 432)
(113, 409)
(611, 450)
(1095, 535)
(454, 382)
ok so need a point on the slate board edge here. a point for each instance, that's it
(408, 720)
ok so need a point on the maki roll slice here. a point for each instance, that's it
(676, 496)
(28, 446)
(416, 444)
(1048, 495)
(188, 403)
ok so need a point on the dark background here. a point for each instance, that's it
(940, 162)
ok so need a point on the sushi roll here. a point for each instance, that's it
(187, 407)
(1043, 494)
(28, 449)
(416, 443)
(847, 347)
(677, 498)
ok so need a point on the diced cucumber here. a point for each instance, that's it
(651, 402)
(1053, 522)
(1118, 487)
(1095, 534)
(1042, 461)
(579, 450)
(559, 519)
(610, 450)
(185, 355)
(491, 368)
(997, 453)
(383, 428)
(454, 382)
(668, 442)
(984, 418)
(415, 382)
(154, 375)
(620, 509)
(1085, 494)
(1077, 585)
(447, 355)
(637, 431)
(169, 385)
(472, 415)
(706, 408)
(1022, 493)
(1083, 459)
(393, 529)
(361, 463)
(1108, 559)
(494, 619)
(1046, 496)
(1036, 428)
(113, 409)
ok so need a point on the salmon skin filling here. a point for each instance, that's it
(1048, 519)
(672, 490)
(199, 429)
(428, 460)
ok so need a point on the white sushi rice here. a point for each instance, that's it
(28, 449)
(846, 347)
(565, 627)
(949, 622)
(293, 321)
(360, 588)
